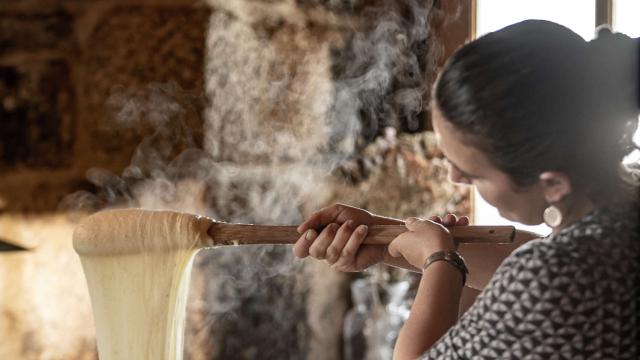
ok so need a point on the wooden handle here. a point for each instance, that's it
(242, 234)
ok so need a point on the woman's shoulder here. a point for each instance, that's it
(603, 230)
(600, 250)
(551, 289)
(541, 259)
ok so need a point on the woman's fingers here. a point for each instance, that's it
(449, 220)
(436, 218)
(320, 218)
(313, 222)
(301, 247)
(452, 220)
(395, 246)
(339, 242)
(348, 253)
(319, 247)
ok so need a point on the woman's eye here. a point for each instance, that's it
(464, 178)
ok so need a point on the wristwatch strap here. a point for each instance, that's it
(452, 258)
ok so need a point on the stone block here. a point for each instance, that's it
(35, 31)
(269, 91)
(402, 176)
(130, 48)
(38, 116)
(299, 13)
(306, 90)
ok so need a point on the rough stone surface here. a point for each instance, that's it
(255, 300)
(275, 71)
(266, 90)
(25, 31)
(45, 312)
(66, 68)
(140, 64)
(257, 305)
(403, 176)
(269, 91)
(290, 89)
(38, 118)
(331, 86)
(128, 50)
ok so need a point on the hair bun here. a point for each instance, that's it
(616, 81)
(615, 61)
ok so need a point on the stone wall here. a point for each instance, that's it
(45, 311)
(246, 111)
(306, 99)
(60, 63)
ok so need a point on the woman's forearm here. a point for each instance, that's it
(483, 259)
(434, 311)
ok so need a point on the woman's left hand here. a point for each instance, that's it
(423, 238)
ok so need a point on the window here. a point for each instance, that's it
(578, 15)
(626, 17)
(491, 15)
(625, 20)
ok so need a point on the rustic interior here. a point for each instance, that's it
(235, 110)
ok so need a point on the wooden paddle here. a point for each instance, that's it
(246, 234)
(133, 231)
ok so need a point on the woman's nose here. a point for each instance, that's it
(456, 177)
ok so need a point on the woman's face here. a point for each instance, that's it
(468, 165)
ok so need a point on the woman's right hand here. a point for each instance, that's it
(342, 229)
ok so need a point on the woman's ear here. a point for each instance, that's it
(555, 185)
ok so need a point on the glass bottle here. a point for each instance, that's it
(366, 300)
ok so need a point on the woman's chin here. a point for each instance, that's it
(508, 216)
(514, 218)
(521, 220)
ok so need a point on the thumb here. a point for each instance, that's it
(393, 248)
(414, 224)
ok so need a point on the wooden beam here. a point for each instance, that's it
(456, 24)
(604, 12)
(453, 24)
(472, 16)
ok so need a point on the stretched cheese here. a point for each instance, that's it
(138, 265)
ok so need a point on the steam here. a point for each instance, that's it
(380, 77)
(275, 128)
(296, 119)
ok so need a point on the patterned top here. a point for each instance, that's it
(575, 295)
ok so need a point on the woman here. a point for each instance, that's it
(538, 120)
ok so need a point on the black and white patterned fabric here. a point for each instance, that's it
(574, 295)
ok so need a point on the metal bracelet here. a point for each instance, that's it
(453, 258)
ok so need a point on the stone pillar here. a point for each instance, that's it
(297, 93)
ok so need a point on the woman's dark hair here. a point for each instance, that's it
(536, 97)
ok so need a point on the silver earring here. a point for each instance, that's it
(552, 216)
